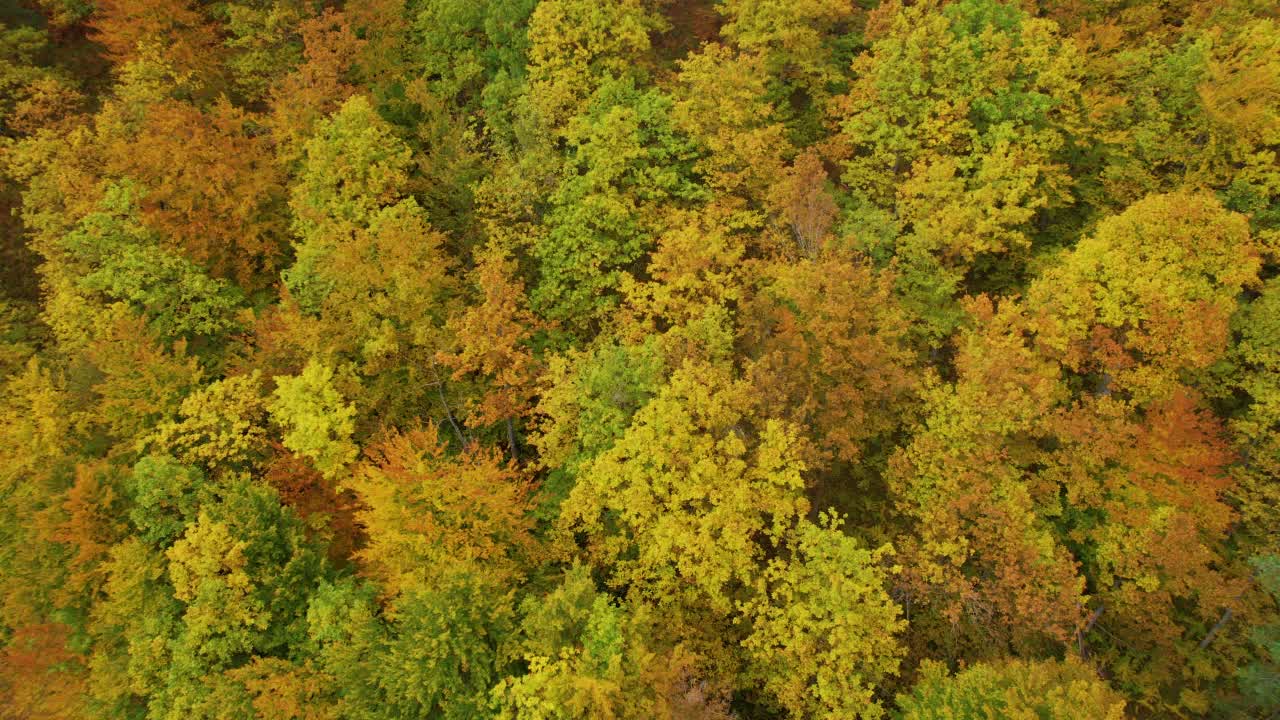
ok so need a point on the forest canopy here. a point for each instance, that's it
(631, 359)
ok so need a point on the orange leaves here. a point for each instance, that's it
(213, 189)
(37, 677)
(425, 512)
(806, 206)
(317, 87)
(321, 505)
(1157, 482)
(177, 31)
(92, 523)
(284, 691)
(828, 351)
(1029, 502)
(492, 340)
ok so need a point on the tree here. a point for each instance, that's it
(799, 41)
(243, 572)
(475, 52)
(265, 43)
(587, 402)
(140, 381)
(166, 497)
(404, 359)
(494, 342)
(822, 625)
(696, 271)
(1146, 512)
(31, 93)
(681, 509)
(436, 655)
(1251, 370)
(208, 569)
(181, 33)
(828, 349)
(1259, 681)
(627, 160)
(317, 87)
(371, 281)
(722, 102)
(1192, 110)
(1051, 689)
(222, 425)
(123, 261)
(589, 657)
(425, 512)
(318, 422)
(575, 44)
(1149, 295)
(132, 627)
(981, 561)
(354, 167)
(953, 140)
(43, 423)
(221, 207)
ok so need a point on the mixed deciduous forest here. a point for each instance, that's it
(631, 359)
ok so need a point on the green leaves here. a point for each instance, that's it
(166, 496)
(627, 166)
(354, 167)
(954, 133)
(124, 262)
(434, 655)
(1053, 690)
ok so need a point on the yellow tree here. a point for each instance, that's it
(318, 422)
(1149, 295)
(795, 38)
(681, 509)
(574, 44)
(698, 510)
(722, 102)
(1051, 690)
(823, 629)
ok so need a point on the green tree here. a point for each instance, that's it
(123, 261)
(435, 654)
(1052, 689)
(627, 165)
(589, 657)
(953, 140)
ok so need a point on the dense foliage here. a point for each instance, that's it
(719, 359)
